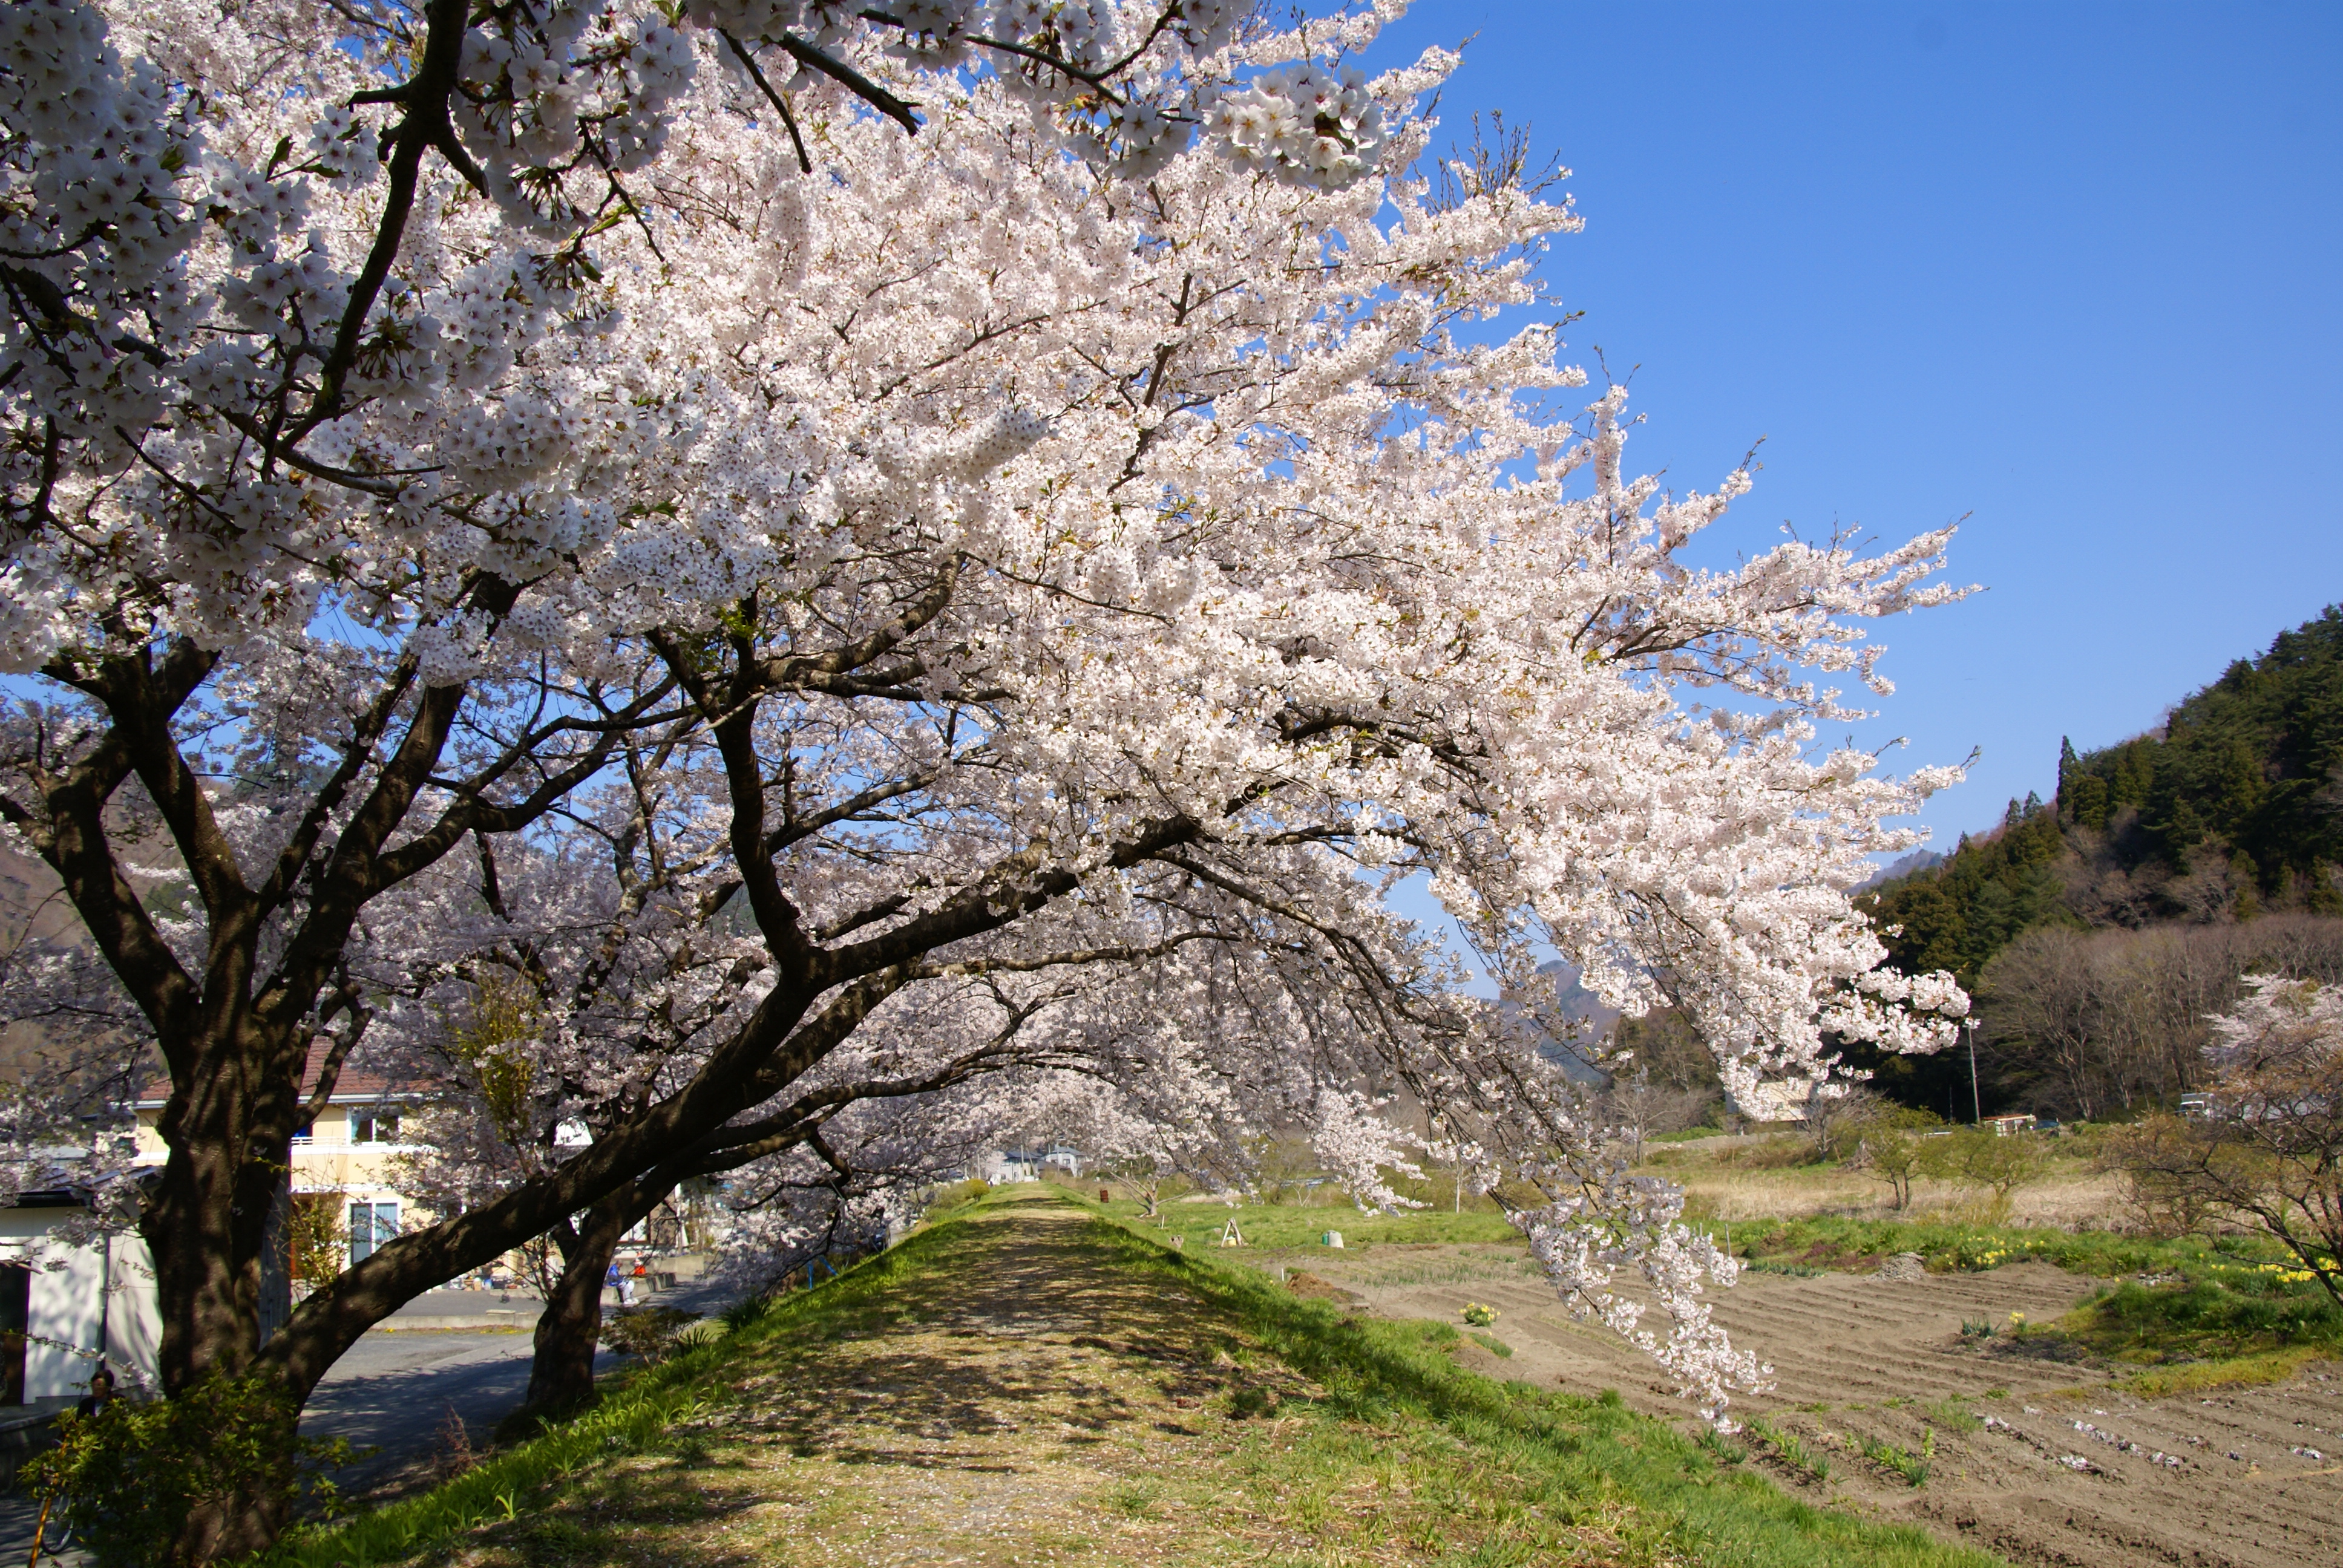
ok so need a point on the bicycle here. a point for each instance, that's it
(50, 1537)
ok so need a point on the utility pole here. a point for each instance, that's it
(1976, 1110)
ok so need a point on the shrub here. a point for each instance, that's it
(1894, 1157)
(705, 1331)
(1837, 1128)
(2262, 1145)
(132, 1476)
(316, 1240)
(957, 1193)
(1989, 1161)
(2159, 1202)
(650, 1332)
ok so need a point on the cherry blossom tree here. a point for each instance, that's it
(1089, 527)
(2262, 1146)
(1183, 1020)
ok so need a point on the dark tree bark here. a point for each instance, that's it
(561, 1372)
(236, 1041)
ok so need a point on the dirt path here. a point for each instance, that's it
(1028, 1405)
(2245, 1477)
(1033, 1402)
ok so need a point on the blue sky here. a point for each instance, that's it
(2071, 270)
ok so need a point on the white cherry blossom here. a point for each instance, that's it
(760, 613)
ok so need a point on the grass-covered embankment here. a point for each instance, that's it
(1025, 1379)
(1522, 1452)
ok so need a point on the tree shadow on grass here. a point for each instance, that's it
(671, 1506)
(935, 1398)
(1033, 1333)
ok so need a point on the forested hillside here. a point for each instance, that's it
(2245, 774)
(2096, 929)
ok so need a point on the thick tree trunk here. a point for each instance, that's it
(224, 1529)
(205, 1223)
(204, 1226)
(561, 1375)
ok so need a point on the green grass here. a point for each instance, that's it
(1723, 1448)
(1571, 1449)
(2232, 1313)
(1953, 1413)
(1280, 1227)
(1836, 1242)
(1788, 1448)
(2230, 1372)
(1888, 1456)
(1431, 1334)
(637, 1413)
(1502, 1472)
(1410, 1268)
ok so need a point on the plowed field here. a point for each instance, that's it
(2066, 1471)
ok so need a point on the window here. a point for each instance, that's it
(371, 1226)
(374, 1126)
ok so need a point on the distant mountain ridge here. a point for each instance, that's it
(1916, 861)
(1576, 1018)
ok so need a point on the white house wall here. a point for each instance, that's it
(68, 1302)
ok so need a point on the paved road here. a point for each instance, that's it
(410, 1397)
(401, 1395)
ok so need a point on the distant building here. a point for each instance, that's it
(1000, 1166)
(1004, 1165)
(347, 1153)
(62, 1306)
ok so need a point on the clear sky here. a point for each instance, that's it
(2070, 270)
